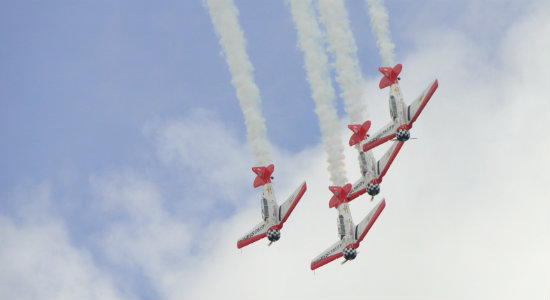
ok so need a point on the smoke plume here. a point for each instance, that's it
(224, 16)
(342, 45)
(318, 76)
(379, 22)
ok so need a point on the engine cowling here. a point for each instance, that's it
(273, 235)
(402, 135)
(373, 188)
(349, 253)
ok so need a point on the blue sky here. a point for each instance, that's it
(119, 125)
(79, 79)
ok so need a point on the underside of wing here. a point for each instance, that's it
(362, 228)
(257, 233)
(383, 135)
(385, 162)
(360, 186)
(288, 206)
(415, 108)
(332, 253)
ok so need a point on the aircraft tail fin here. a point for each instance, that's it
(390, 75)
(340, 195)
(359, 132)
(264, 175)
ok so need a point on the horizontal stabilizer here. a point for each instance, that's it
(340, 195)
(264, 175)
(390, 75)
(359, 132)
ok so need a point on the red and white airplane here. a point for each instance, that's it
(372, 171)
(402, 116)
(350, 234)
(273, 215)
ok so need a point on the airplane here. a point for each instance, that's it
(273, 215)
(372, 171)
(350, 234)
(402, 116)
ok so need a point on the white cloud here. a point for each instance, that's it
(38, 259)
(201, 145)
(466, 216)
(467, 212)
(144, 236)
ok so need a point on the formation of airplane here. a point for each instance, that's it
(273, 215)
(372, 173)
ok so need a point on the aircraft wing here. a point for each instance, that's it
(385, 162)
(286, 208)
(383, 135)
(416, 107)
(332, 253)
(360, 186)
(257, 233)
(362, 228)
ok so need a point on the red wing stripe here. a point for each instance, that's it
(374, 217)
(380, 141)
(424, 102)
(294, 203)
(324, 261)
(356, 194)
(250, 240)
(392, 157)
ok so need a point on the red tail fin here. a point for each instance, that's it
(264, 175)
(390, 75)
(340, 195)
(359, 132)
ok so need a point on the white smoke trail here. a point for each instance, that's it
(342, 44)
(224, 16)
(379, 22)
(318, 76)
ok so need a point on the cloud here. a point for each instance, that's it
(466, 215)
(467, 212)
(143, 236)
(209, 161)
(38, 258)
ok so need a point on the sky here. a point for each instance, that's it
(125, 168)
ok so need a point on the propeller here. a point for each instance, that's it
(346, 260)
